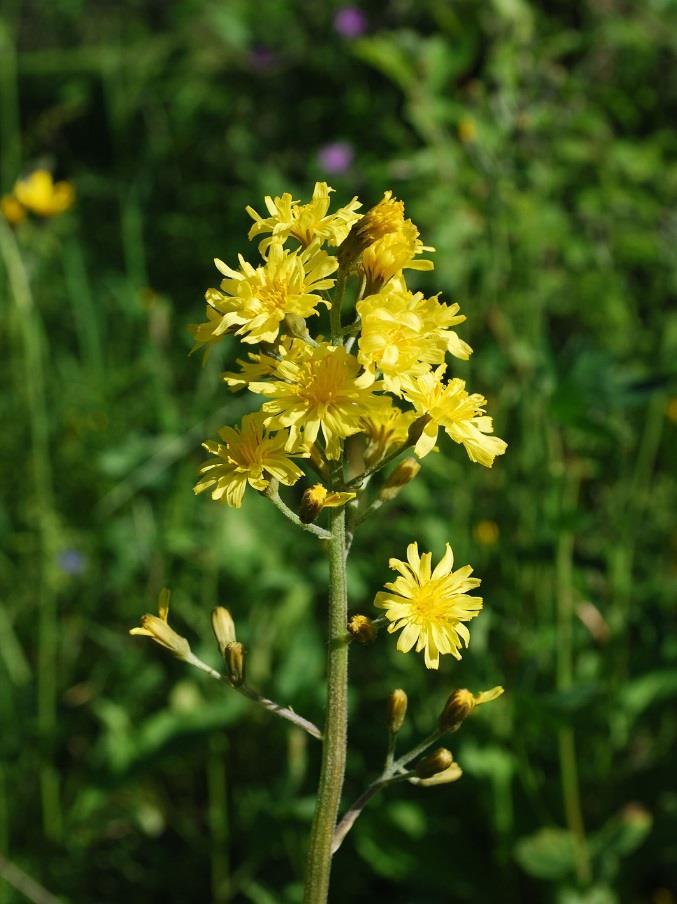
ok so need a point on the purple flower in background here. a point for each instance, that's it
(350, 22)
(336, 157)
(72, 562)
(261, 58)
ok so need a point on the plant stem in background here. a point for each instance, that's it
(573, 810)
(318, 866)
(45, 516)
(218, 819)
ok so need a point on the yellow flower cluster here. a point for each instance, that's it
(370, 382)
(38, 194)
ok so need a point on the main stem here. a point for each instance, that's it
(318, 866)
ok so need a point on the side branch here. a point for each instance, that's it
(274, 496)
(284, 712)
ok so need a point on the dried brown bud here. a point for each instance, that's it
(403, 474)
(458, 707)
(362, 629)
(235, 656)
(223, 627)
(397, 710)
(437, 761)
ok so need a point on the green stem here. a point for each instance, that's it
(47, 529)
(318, 866)
(571, 794)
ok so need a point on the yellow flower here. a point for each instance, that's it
(41, 195)
(395, 252)
(385, 430)
(383, 218)
(315, 389)
(253, 302)
(449, 406)
(430, 606)
(304, 222)
(260, 364)
(404, 334)
(248, 455)
(157, 628)
(467, 130)
(319, 497)
(11, 210)
(486, 532)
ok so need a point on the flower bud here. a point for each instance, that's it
(436, 762)
(362, 629)
(223, 627)
(157, 628)
(397, 710)
(312, 502)
(403, 474)
(417, 428)
(458, 707)
(235, 656)
(461, 703)
(317, 498)
(451, 774)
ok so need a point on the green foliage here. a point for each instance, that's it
(535, 149)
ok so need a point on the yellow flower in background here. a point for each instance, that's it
(386, 430)
(486, 532)
(430, 606)
(461, 415)
(248, 455)
(315, 390)
(253, 302)
(41, 195)
(11, 210)
(304, 222)
(157, 628)
(403, 334)
(393, 253)
(467, 130)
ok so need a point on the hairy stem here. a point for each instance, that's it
(318, 865)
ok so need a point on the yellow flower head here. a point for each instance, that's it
(248, 455)
(404, 334)
(383, 218)
(11, 210)
(157, 628)
(430, 607)
(41, 195)
(253, 302)
(304, 222)
(395, 252)
(461, 415)
(385, 430)
(315, 389)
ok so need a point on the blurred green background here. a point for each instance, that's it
(534, 146)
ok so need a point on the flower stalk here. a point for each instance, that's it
(318, 864)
